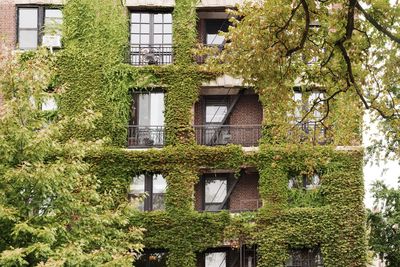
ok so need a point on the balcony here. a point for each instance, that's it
(143, 55)
(145, 136)
(213, 135)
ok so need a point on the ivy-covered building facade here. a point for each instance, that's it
(217, 181)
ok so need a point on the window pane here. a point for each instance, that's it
(28, 39)
(215, 190)
(144, 109)
(217, 259)
(145, 28)
(134, 38)
(158, 18)
(158, 39)
(215, 114)
(28, 18)
(159, 188)
(214, 39)
(49, 104)
(167, 28)
(137, 185)
(167, 18)
(144, 39)
(145, 18)
(151, 260)
(135, 17)
(53, 13)
(158, 28)
(157, 109)
(135, 28)
(167, 39)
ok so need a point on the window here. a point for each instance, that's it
(305, 258)
(304, 181)
(152, 188)
(212, 29)
(152, 259)
(151, 38)
(38, 25)
(147, 120)
(216, 109)
(310, 123)
(215, 192)
(215, 259)
(305, 101)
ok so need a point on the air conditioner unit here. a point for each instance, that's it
(51, 41)
(149, 56)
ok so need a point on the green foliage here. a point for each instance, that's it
(384, 224)
(95, 38)
(51, 211)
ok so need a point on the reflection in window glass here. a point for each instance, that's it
(305, 258)
(151, 259)
(215, 114)
(213, 27)
(158, 194)
(216, 259)
(215, 193)
(137, 189)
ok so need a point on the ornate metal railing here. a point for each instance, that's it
(145, 136)
(157, 54)
(213, 135)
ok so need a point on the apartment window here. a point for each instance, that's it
(151, 38)
(147, 120)
(38, 25)
(305, 101)
(213, 27)
(215, 259)
(215, 192)
(305, 258)
(304, 181)
(151, 188)
(152, 258)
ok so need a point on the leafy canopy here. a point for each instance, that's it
(51, 211)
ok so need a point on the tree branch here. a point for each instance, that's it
(305, 32)
(378, 26)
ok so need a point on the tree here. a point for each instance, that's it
(384, 224)
(51, 211)
(345, 47)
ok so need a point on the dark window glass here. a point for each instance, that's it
(152, 259)
(305, 258)
(213, 27)
(304, 181)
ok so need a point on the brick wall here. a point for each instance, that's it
(248, 110)
(8, 22)
(244, 197)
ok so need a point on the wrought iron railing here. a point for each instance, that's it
(212, 135)
(145, 136)
(156, 54)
